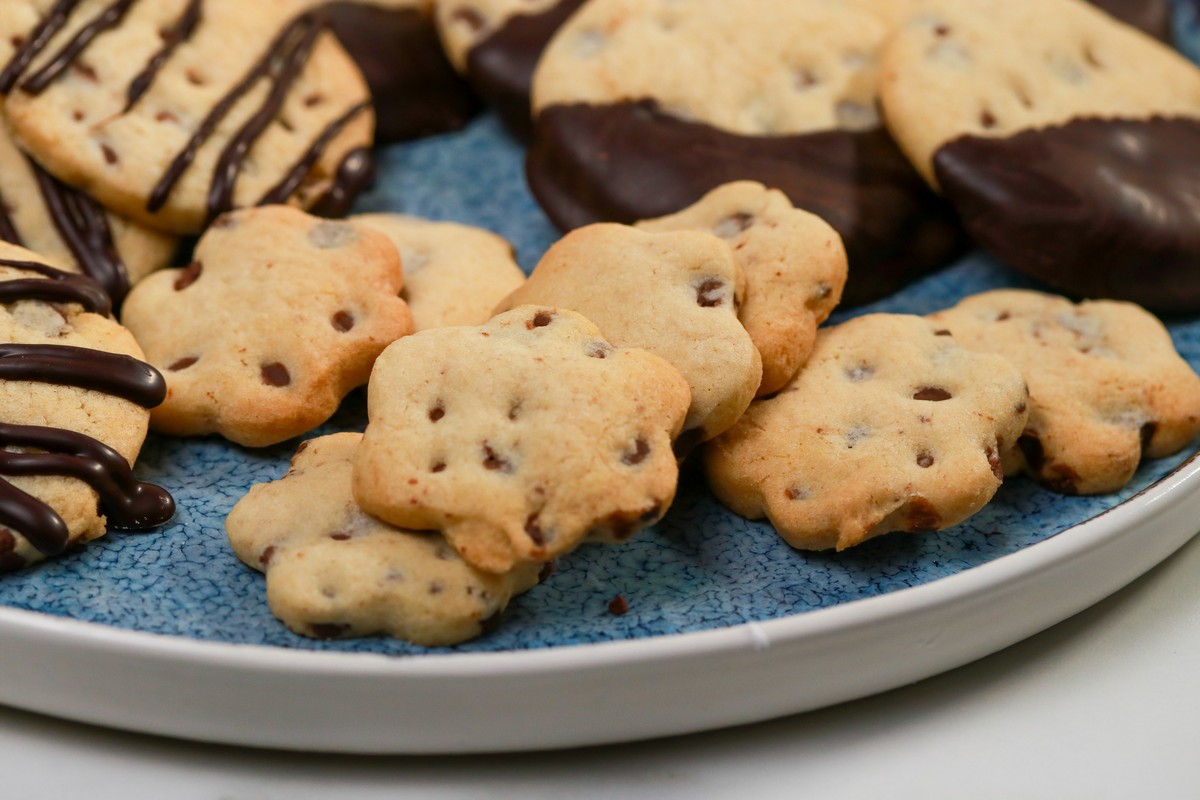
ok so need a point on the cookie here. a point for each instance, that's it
(1065, 140)
(67, 227)
(415, 89)
(644, 107)
(889, 427)
(453, 274)
(675, 294)
(173, 112)
(1106, 386)
(497, 44)
(335, 572)
(794, 263)
(519, 438)
(279, 316)
(74, 396)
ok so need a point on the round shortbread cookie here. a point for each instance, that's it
(644, 107)
(182, 109)
(794, 263)
(889, 427)
(453, 274)
(672, 293)
(1105, 384)
(497, 44)
(520, 438)
(41, 213)
(992, 68)
(74, 395)
(335, 572)
(278, 317)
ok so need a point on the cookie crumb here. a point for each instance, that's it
(618, 605)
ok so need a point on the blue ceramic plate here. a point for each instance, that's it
(700, 570)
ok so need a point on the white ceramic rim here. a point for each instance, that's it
(32, 635)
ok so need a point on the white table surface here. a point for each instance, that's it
(1104, 705)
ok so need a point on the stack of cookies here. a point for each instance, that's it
(726, 174)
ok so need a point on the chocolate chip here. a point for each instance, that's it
(995, 462)
(195, 78)
(436, 587)
(922, 516)
(342, 321)
(85, 71)
(491, 461)
(598, 349)
(709, 294)
(934, 394)
(437, 412)
(618, 606)
(77, 115)
(641, 449)
(165, 116)
(1147, 434)
(438, 467)
(540, 320)
(534, 530)
(805, 79)
(514, 411)
(340, 536)
(110, 155)
(623, 524)
(942, 332)
(987, 119)
(189, 275)
(546, 571)
(924, 460)
(797, 493)
(275, 374)
(1002, 316)
(267, 555)
(314, 99)
(941, 30)
(328, 630)
(183, 363)
(1022, 407)
(468, 16)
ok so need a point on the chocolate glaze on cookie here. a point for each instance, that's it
(126, 502)
(415, 89)
(631, 161)
(1095, 208)
(501, 66)
(1151, 16)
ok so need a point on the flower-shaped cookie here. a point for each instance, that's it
(891, 426)
(794, 263)
(335, 572)
(519, 438)
(675, 294)
(279, 316)
(1105, 384)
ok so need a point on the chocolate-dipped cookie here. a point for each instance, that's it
(175, 111)
(642, 108)
(1066, 141)
(395, 43)
(497, 43)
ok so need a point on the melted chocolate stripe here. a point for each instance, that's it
(182, 32)
(119, 375)
(291, 182)
(30, 517)
(282, 45)
(83, 225)
(62, 287)
(283, 75)
(354, 174)
(106, 20)
(8, 231)
(38, 39)
(128, 503)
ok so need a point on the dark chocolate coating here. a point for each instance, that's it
(1095, 208)
(415, 89)
(1151, 16)
(630, 161)
(501, 66)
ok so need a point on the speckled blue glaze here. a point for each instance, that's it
(701, 568)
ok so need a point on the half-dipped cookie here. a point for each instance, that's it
(643, 107)
(1066, 141)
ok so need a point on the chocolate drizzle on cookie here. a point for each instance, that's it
(179, 34)
(126, 502)
(295, 176)
(107, 19)
(632, 161)
(37, 41)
